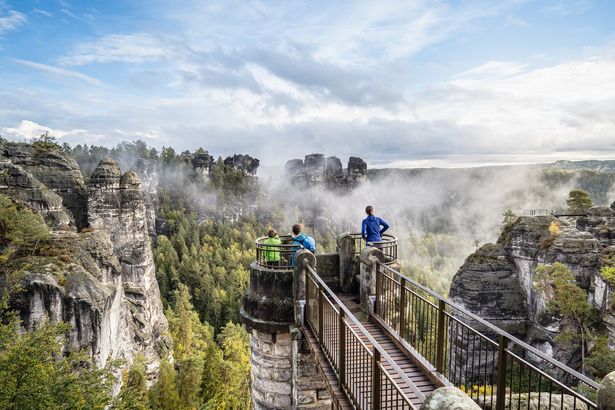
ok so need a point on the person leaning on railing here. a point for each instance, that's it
(301, 241)
(371, 229)
(272, 248)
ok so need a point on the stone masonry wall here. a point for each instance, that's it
(271, 362)
(310, 389)
(285, 374)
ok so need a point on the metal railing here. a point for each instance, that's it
(497, 371)
(388, 246)
(277, 257)
(553, 212)
(366, 373)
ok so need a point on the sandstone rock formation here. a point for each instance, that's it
(57, 171)
(100, 281)
(449, 398)
(317, 171)
(245, 163)
(496, 282)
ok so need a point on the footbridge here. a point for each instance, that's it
(362, 335)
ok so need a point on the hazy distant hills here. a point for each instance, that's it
(588, 165)
(592, 165)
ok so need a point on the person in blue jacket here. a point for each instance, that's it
(301, 240)
(372, 227)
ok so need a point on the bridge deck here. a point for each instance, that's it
(401, 358)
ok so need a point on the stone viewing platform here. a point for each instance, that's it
(348, 330)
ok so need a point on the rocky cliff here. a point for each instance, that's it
(317, 171)
(101, 280)
(497, 281)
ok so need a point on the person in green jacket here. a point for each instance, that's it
(272, 251)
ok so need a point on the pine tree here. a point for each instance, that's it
(133, 395)
(578, 201)
(565, 298)
(163, 395)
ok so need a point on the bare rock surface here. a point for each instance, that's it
(497, 281)
(317, 171)
(100, 281)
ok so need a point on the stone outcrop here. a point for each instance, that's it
(56, 171)
(449, 398)
(245, 163)
(317, 171)
(100, 281)
(117, 206)
(497, 281)
(606, 394)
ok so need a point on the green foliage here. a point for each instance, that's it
(133, 395)
(46, 142)
(35, 375)
(163, 395)
(608, 274)
(578, 201)
(211, 258)
(568, 299)
(601, 360)
(509, 217)
(20, 228)
(206, 374)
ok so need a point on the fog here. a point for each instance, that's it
(439, 215)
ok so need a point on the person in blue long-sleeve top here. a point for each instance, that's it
(373, 227)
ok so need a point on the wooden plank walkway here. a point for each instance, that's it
(362, 388)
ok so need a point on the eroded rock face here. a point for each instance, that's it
(57, 171)
(245, 163)
(117, 206)
(101, 282)
(496, 282)
(317, 171)
(18, 183)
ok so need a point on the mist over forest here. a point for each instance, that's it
(439, 215)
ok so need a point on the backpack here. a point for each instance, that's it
(309, 243)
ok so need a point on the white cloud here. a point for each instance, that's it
(12, 21)
(42, 12)
(125, 48)
(28, 130)
(570, 7)
(59, 72)
(494, 69)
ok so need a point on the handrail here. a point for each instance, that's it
(497, 330)
(276, 256)
(388, 246)
(350, 316)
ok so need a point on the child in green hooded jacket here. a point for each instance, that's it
(272, 252)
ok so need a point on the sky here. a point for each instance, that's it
(399, 83)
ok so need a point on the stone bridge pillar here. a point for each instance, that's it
(349, 263)
(284, 372)
(268, 313)
(369, 256)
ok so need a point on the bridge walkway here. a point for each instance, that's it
(362, 389)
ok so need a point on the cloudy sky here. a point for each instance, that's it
(408, 83)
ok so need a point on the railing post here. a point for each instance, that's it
(502, 364)
(341, 360)
(320, 315)
(376, 376)
(378, 290)
(402, 308)
(440, 342)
